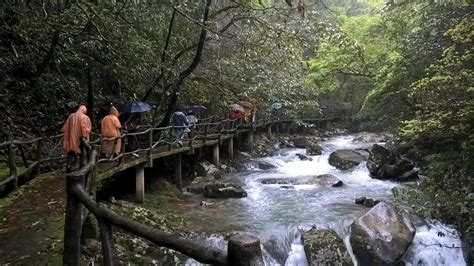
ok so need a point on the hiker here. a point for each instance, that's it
(192, 119)
(110, 128)
(77, 126)
(180, 122)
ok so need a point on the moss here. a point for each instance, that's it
(5, 171)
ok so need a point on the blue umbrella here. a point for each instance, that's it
(135, 107)
(195, 108)
(276, 106)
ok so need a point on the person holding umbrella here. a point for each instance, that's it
(179, 122)
(110, 128)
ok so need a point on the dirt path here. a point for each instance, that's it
(32, 222)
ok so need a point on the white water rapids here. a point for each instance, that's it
(278, 216)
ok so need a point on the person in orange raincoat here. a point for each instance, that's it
(77, 126)
(110, 128)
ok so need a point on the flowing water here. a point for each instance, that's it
(278, 215)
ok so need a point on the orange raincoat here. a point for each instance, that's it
(77, 126)
(110, 128)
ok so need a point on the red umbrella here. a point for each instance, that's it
(246, 104)
(236, 107)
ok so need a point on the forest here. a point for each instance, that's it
(398, 67)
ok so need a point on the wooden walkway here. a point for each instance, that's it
(26, 158)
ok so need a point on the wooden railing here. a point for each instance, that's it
(81, 191)
(25, 158)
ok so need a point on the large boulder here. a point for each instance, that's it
(311, 144)
(224, 190)
(385, 164)
(324, 247)
(382, 235)
(199, 183)
(345, 159)
(370, 138)
(206, 168)
(326, 180)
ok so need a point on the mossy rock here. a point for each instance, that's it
(324, 247)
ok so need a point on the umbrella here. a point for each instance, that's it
(196, 108)
(236, 107)
(246, 104)
(135, 107)
(276, 106)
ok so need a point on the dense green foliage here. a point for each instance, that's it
(399, 66)
(408, 69)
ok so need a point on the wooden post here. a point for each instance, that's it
(230, 148)
(107, 240)
(269, 130)
(177, 172)
(215, 155)
(205, 133)
(171, 139)
(150, 147)
(244, 250)
(288, 127)
(250, 139)
(72, 223)
(140, 184)
(38, 158)
(11, 161)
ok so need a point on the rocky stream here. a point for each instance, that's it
(304, 211)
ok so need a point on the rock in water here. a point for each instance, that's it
(367, 202)
(198, 184)
(382, 235)
(345, 159)
(303, 157)
(329, 180)
(324, 247)
(224, 190)
(384, 164)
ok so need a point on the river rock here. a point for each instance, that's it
(263, 165)
(303, 157)
(324, 247)
(329, 180)
(382, 235)
(370, 138)
(345, 159)
(224, 190)
(367, 202)
(311, 144)
(199, 183)
(206, 168)
(326, 180)
(384, 164)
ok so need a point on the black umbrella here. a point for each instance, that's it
(135, 107)
(195, 108)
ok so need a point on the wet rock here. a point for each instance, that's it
(384, 164)
(345, 159)
(367, 202)
(382, 235)
(198, 184)
(303, 157)
(244, 249)
(224, 190)
(287, 187)
(324, 247)
(370, 138)
(329, 180)
(320, 180)
(311, 144)
(206, 168)
(263, 165)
